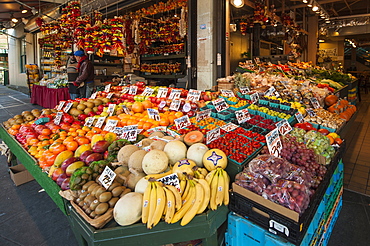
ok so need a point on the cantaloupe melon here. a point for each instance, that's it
(175, 150)
(196, 153)
(136, 159)
(155, 161)
(214, 158)
(125, 152)
(127, 210)
(193, 137)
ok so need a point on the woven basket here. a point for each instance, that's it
(225, 86)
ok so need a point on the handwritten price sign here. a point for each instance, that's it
(68, 107)
(93, 96)
(110, 109)
(255, 97)
(107, 177)
(118, 130)
(125, 90)
(129, 133)
(227, 93)
(162, 92)
(107, 88)
(270, 91)
(283, 127)
(133, 90)
(147, 91)
(111, 124)
(89, 121)
(175, 105)
(213, 135)
(299, 117)
(61, 104)
(171, 179)
(229, 127)
(244, 90)
(153, 114)
(175, 94)
(274, 143)
(110, 94)
(203, 114)
(182, 122)
(242, 115)
(193, 95)
(220, 104)
(58, 118)
(315, 103)
(100, 122)
(311, 112)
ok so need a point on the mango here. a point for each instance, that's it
(61, 157)
(81, 149)
(71, 168)
(96, 138)
(110, 137)
(100, 146)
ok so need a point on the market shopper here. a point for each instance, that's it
(85, 79)
(74, 91)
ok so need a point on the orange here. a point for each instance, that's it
(171, 118)
(147, 125)
(72, 145)
(179, 114)
(164, 122)
(82, 140)
(140, 124)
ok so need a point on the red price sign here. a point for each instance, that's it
(213, 135)
(274, 143)
(255, 97)
(89, 121)
(147, 91)
(242, 115)
(182, 122)
(61, 104)
(227, 93)
(220, 104)
(100, 122)
(153, 114)
(175, 105)
(68, 107)
(58, 118)
(162, 92)
(244, 90)
(107, 88)
(315, 103)
(201, 115)
(111, 124)
(175, 94)
(132, 90)
(193, 95)
(229, 127)
(129, 133)
(284, 127)
(299, 117)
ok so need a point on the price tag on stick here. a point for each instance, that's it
(255, 97)
(125, 90)
(310, 112)
(274, 144)
(193, 95)
(110, 94)
(107, 88)
(111, 108)
(172, 179)
(175, 94)
(147, 91)
(111, 124)
(299, 117)
(89, 121)
(229, 127)
(182, 122)
(58, 118)
(61, 104)
(132, 90)
(93, 96)
(129, 133)
(220, 104)
(244, 90)
(284, 127)
(153, 114)
(100, 122)
(162, 92)
(201, 115)
(227, 93)
(213, 135)
(68, 107)
(175, 105)
(242, 115)
(315, 103)
(107, 177)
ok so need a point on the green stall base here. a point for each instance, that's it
(203, 226)
(51, 188)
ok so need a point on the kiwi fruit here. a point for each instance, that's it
(94, 204)
(105, 197)
(113, 185)
(89, 199)
(101, 208)
(92, 187)
(117, 191)
(99, 192)
(113, 202)
(85, 186)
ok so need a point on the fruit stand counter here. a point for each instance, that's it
(203, 226)
(30, 163)
(47, 97)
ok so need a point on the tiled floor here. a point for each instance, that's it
(357, 155)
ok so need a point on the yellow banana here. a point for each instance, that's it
(161, 203)
(152, 205)
(213, 187)
(158, 175)
(207, 194)
(182, 186)
(186, 206)
(177, 195)
(227, 185)
(170, 205)
(203, 171)
(186, 191)
(210, 175)
(220, 188)
(190, 214)
(198, 174)
(146, 197)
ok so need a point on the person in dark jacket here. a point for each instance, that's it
(74, 91)
(85, 79)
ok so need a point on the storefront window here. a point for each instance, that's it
(23, 56)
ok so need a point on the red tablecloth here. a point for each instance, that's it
(48, 98)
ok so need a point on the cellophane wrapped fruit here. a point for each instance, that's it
(252, 181)
(271, 167)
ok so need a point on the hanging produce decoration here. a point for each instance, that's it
(117, 34)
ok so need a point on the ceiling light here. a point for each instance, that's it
(315, 8)
(24, 11)
(305, 1)
(321, 41)
(310, 4)
(13, 19)
(237, 3)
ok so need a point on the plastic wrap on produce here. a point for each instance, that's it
(271, 167)
(252, 181)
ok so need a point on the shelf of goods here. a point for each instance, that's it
(218, 130)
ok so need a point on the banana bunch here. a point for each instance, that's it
(200, 172)
(219, 182)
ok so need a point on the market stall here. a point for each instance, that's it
(48, 97)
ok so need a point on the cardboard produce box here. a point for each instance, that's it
(20, 175)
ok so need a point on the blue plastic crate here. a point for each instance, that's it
(224, 117)
(210, 105)
(274, 105)
(327, 233)
(284, 107)
(263, 102)
(230, 102)
(315, 125)
(247, 96)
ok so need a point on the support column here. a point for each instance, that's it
(256, 46)
(313, 30)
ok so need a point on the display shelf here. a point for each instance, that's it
(51, 188)
(107, 64)
(203, 226)
(163, 57)
(159, 76)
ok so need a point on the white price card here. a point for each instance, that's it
(186, 108)
(315, 103)
(132, 90)
(242, 115)
(147, 92)
(205, 114)
(283, 127)
(107, 177)
(175, 94)
(254, 97)
(220, 104)
(89, 121)
(60, 106)
(213, 135)
(111, 124)
(227, 93)
(162, 92)
(110, 94)
(99, 123)
(229, 127)
(244, 90)
(125, 90)
(67, 107)
(172, 179)
(107, 88)
(118, 130)
(299, 117)
(311, 112)
(274, 143)
(111, 109)
(58, 118)
(93, 96)
(175, 104)
(126, 110)
(182, 122)
(162, 104)
(270, 92)
(153, 114)
(193, 95)
(129, 133)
